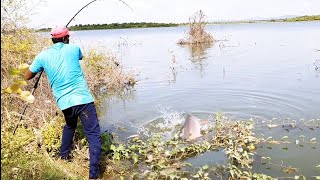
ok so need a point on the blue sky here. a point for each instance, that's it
(59, 12)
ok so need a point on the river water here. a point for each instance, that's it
(266, 71)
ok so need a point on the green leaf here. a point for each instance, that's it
(135, 158)
(272, 125)
(301, 145)
(23, 82)
(112, 147)
(313, 140)
(196, 176)
(13, 88)
(122, 128)
(232, 173)
(15, 71)
(188, 164)
(8, 90)
(205, 167)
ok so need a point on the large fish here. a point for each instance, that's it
(192, 128)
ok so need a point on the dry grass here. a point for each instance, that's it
(21, 46)
(197, 33)
(100, 69)
(28, 153)
(108, 73)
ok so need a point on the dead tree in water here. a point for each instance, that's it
(197, 33)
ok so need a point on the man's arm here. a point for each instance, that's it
(29, 75)
(34, 68)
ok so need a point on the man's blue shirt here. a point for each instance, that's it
(62, 66)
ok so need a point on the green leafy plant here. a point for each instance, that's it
(17, 83)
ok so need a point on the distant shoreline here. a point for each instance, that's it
(295, 19)
(130, 25)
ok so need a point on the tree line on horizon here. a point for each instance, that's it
(117, 26)
(153, 24)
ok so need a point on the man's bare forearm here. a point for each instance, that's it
(29, 75)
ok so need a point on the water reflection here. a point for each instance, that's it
(173, 68)
(198, 55)
(124, 96)
(174, 73)
(317, 64)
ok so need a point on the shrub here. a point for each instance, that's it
(197, 33)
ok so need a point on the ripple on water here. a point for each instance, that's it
(251, 103)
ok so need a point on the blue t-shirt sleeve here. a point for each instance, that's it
(36, 65)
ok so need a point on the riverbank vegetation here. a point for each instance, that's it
(302, 18)
(30, 152)
(118, 26)
(295, 19)
(79, 27)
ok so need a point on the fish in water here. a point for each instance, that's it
(192, 128)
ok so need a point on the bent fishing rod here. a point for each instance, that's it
(37, 81)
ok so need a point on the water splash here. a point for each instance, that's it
(170, 117)
(168, 123)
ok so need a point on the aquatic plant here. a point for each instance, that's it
(157, 157)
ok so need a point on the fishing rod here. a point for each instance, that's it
(37, 81)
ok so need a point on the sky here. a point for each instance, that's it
(59, 12)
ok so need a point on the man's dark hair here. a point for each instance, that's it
(56, 40)
(62, 39)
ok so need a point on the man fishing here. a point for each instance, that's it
(61, 62)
